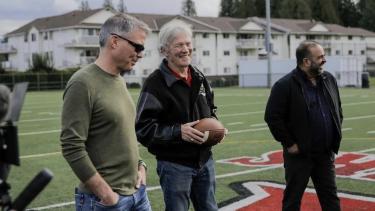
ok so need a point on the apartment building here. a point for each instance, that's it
(71, 40)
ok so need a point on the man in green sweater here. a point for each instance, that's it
(98, 136)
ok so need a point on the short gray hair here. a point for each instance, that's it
(170, 30)
(120, 24)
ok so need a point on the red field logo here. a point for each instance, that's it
(267, 196)
(352, 165)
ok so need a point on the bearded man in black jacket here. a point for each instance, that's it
(304, 114)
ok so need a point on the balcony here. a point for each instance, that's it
(250, 43)
(83, 42)
(5, 48)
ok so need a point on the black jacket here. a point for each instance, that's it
(287, 112)
(164, 104)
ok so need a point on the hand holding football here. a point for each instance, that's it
(214, 131)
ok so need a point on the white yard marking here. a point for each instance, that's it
(359, 103)
(247, 130)
(38, 120)
(259, 125)
(235, 123)
(346, 129)
(39, 155)
(371, 132)
(359, 117)
(39, 132)
(241, 114)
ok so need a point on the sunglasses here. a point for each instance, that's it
(137, 47)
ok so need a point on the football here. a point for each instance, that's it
(214, 131)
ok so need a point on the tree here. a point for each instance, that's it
(349, 13)
(367, 9)
(246, 9)
(84, 5)
(188, 8)
(295, 9)
(121, 6)
(324, 10)
(107, 4)
(227, 8)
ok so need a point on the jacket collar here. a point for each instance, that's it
(170, 79)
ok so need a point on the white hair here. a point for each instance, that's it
(170, 30)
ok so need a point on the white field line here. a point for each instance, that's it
(235, 123)
(239, 104)
(258, 125)
(359, 117)
(346, 129)
(39, 132)
(240, 114)
(39, 120)
(39, 155)
(248, 130)
(367, 150)
(371, 132)
(358, 103)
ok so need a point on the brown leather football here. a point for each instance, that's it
(214, 131)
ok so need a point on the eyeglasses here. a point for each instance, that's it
(137, 47)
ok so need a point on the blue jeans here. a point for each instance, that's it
(135, 202)
(179, 183)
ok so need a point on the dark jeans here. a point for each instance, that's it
(135, 202)
(299, 168)
(179, 183)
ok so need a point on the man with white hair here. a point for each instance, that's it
(173, 99)
(98, 136)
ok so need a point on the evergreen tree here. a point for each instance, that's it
(228, 8)
(324, 10)
(84, 6)
(121, 6)
(367, 9)
(295, 9)
(107, 4)
(349, 13)
(188, 8)
(246, 9)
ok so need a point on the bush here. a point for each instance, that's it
(41, 63)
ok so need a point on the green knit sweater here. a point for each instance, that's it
(98, 133)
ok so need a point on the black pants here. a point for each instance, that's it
(299, 168)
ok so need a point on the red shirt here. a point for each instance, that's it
(179, 76)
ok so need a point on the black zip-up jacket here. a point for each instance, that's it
(287, 112)
(165, 103)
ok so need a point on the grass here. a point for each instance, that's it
(239, 109)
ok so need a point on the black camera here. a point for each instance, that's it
(10, 109)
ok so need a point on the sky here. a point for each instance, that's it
(16, 13)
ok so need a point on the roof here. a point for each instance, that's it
(209, 24)
(65, 20)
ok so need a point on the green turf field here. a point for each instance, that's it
(241, 110)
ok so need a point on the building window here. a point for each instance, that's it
(225, 35)
(25, 37)
(146, 71)
(147, 53)
(45, 36)
(50, 35)
(33, 37)
(226, 53)
(350, 52)
(227, 70)
(362, 38)
(298, 36)
(363, 52)
(206, 70)
(205, 35)
(90, 32)
(350, 37)
(206, 53)
(310, 37)
(338, 52)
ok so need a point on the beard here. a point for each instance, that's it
(316, 69)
